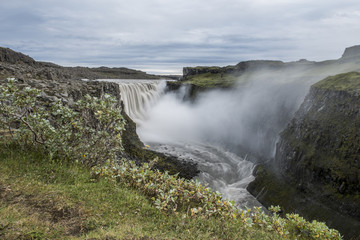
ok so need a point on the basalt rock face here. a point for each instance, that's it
(322, 143)
(9, 56)
(321, 146)
(318, 157)
(350, 52)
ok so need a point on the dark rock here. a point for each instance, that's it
(9, 56)
(350, 52)
(317, 157)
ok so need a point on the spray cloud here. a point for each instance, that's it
(246, 119)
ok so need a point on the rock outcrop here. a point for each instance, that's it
(316, 170)
(15, 64)
(9, 56)
(350, 52)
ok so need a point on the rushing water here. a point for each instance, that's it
(222, 170)
(138, 96)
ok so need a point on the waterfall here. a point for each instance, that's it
(166, 123)
(138, 96)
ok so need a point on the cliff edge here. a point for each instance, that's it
(316, 170)
(350, 52)
(322, 143)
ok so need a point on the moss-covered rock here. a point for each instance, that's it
(349, 82)
(224, 77)
(318, 157)
(322, 143)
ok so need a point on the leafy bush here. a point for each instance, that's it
(174, 195)
(90, 133)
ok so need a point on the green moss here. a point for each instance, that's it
(270, 189)
(321, 148)
(344, 82)
(213, 80)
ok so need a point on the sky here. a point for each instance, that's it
(163, 36)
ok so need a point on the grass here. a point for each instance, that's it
(343, 82)
(43, 199)
(212, 80)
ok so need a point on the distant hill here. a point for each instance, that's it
(223, 77)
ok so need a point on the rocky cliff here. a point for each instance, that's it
(316, 170)
(15, 64)
(322, 143)
(350, 52)
(9, 56)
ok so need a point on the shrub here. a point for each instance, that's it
(89, 133)
(174, 195)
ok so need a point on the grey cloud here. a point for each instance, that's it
(178, 33)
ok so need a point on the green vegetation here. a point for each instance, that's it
(327, 138)
(344, 82)
(46, 194)
(43, 199)
(212, 80)
(317, 157)
(90, 133)
(121, 73)
(225, 77)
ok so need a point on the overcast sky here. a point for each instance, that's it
(162, 36)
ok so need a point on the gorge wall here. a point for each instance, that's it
(322, 143)
(316, 170)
